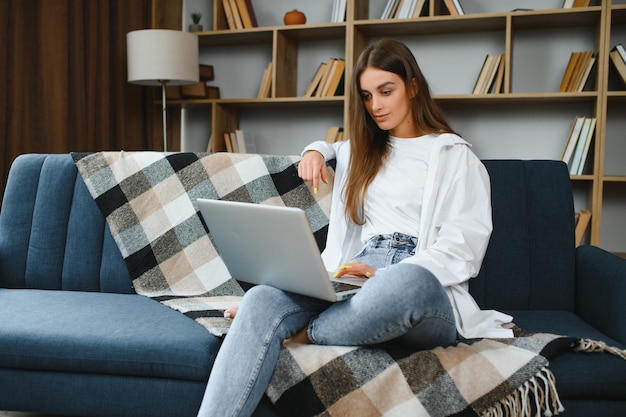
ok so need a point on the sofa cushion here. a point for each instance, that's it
(599, 376)
(121, 334)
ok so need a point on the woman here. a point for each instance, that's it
(410, 211)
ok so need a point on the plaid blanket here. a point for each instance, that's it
(148, 200)
(482, 377)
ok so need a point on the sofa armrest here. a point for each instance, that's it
(601, 290)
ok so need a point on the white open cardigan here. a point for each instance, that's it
(454, 230)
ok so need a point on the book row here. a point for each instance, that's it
(577, 71)
(578, 144)
(328, 79)
(240, 14)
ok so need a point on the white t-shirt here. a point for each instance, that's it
(394, 199)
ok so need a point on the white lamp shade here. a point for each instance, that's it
(156, 55)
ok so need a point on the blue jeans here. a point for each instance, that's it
(403, 303)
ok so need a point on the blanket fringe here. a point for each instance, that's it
(540, 390)
(588, 345)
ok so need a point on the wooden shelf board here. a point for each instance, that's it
(317, 32)
(298, 102)
(614, 178)
(557, 18)
(519, 97)
(432, 25)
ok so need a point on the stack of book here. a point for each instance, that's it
(491, 76)
(334, 134)
(403, 9)
(339, 11)
(240, 14)
(266, 82)
(196, 90)
(618, 58)
(239, 142)
(328, 80)
(578, 144)
(577, 71)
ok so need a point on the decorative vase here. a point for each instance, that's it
(195, 27)
(294, 17)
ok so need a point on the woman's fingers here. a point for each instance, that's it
(358, 269)
(230, 313)
(312, 167)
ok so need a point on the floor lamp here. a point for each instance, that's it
(161, 57)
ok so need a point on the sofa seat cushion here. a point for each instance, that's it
(593, 376)
(120, 334)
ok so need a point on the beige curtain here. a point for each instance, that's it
(63, 78)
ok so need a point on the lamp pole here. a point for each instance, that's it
(163, 98)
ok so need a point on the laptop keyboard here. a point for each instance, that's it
(342, 286)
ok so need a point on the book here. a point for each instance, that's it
(481, 75)
(458, 7)
(233, 142)
(572, 139)
(577, 71)
(331, 134)
(195, 90)
(568, 4)
(227, 143)
(245, 141)
(206, 72)
(339, 11)
(315, 81)
(251, 13)
(620, 48)
(487, 74)
(406, 10)
(569, 70)
(499, 81)
(419, 6)
(319, 92)
(389, 9)
(618, 63)
(228, 12)
(581, 73)
(236, 16)
(584, 218)
(266, 82)
(588, 140)
(334, 78)
(245, 14)
(591, 60)
(454, 7)
(582, 146)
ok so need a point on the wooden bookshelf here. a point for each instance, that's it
(597, 27)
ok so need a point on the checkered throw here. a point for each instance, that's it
(482, 377)
(148, 200)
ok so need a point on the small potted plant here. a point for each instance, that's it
(195, 26)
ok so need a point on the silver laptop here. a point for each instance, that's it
(272, 245)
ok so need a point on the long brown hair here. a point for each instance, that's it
(369, 144)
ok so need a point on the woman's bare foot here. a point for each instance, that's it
(300, 337)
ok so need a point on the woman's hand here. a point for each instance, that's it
(312, 167)
(358, 269)
(230, 313)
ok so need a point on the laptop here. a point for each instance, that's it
(273, 245)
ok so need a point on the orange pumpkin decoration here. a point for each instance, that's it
(294, 17)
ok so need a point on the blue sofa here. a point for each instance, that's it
(75, 340)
